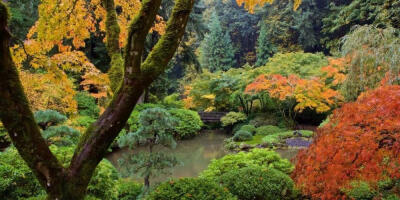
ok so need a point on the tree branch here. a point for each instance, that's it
(18, 119)
(112, 28)
(100, 135)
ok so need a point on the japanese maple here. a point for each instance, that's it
(361, 142)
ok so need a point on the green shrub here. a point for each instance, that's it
(18, 181)
(172, 101)
(256, 157)
(258, 183)
(268, 130)
(84, 121)
(360, 190)
(250, 128)
(190, 189)
(4, 138)
(129, 190)
(61, 135)
(189, 123)
(242, 135)
(87, 105)
(271, 140)
(232, 118)
(46, 118)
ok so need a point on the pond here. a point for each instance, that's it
(195, 154)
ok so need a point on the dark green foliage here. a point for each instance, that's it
(255, 158)
(87, 105)
(242, 135)
(264, 119)
(156, 127)
(4, 138)
(242, 27)
(190, 189)
(360, 190)
(216, 49)
(84, 121)
(61, 135)
(189, 123)
(129, 190)
(133, 121)
(268, 130)
(265, 49)
(250, 128)
(343, 16)
(46, 118)
(17, 180)
(24, 13)
(258, 183)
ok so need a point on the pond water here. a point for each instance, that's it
(195, 154)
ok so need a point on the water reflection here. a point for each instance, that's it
(195, 154)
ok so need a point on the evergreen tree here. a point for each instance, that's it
(156, 129)
(217, 52)
(265, 49)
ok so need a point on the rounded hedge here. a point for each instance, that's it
(268, 130)
(189, 123)
(255, 158)
(190, 189)
(258, 183)
(250, 128)
(242, 135)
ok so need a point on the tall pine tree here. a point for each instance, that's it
(265, 49)
(216, 49)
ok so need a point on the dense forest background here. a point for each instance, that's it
(237, 37)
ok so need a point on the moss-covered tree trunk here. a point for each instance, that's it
(71, 183)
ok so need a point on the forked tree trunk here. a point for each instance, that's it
(71, 183)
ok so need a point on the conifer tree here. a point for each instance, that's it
(265, 49)
(217, 52)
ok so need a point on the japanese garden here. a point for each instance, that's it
(200, 100)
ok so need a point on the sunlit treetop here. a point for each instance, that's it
(252, 4)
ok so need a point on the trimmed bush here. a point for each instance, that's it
(268, 130)
(360, 191)
(263, 120)
(271, 140)
(190, 189)
(129, 190)
(61, 135)
(133, 121)
(189, 123)
(251, 183)
(242, 135)
(255, 158)
(233, 118)
(46, 118)
(172, 101)
(87, 105)
(250, 128)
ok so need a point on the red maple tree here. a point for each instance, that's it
(361, 142)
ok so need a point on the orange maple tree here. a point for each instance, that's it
(361, 142)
